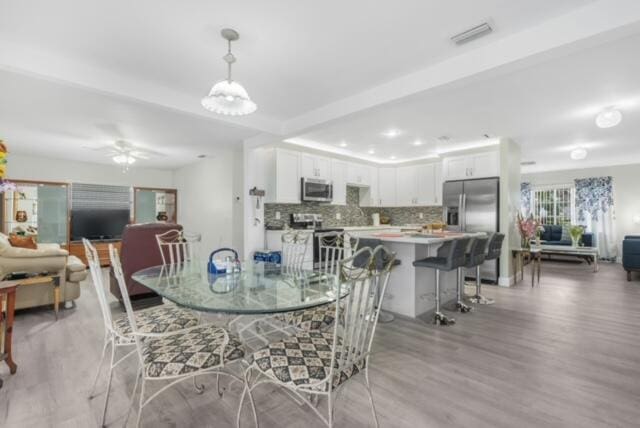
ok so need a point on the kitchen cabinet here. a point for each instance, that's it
(282, 170)
(312, 166)
(358, 175)
(387, 186)
(478, 165)
(426, 178)
(406, 185)
(339, 178)
(370, 196)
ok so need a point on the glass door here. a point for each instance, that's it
(155, 205)
(37, 209)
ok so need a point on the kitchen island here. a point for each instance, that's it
(411, 290)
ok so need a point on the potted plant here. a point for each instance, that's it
(576, 232)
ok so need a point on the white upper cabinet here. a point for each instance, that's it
(339, 178)
(312, 166)
(387, 186)
(358, 175)
(282, 176)
(406, 186)
(479, 165)
(370, 196)
(427, 183)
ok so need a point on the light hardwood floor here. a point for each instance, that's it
(565, 354)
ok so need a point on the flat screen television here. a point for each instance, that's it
(98, 224)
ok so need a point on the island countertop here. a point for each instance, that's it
(419, 238)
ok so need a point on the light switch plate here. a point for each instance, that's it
(421, 215)
(277, 215)
(338, 216)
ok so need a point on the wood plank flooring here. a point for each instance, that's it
(565, 354)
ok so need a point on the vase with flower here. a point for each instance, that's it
(576, 232)
(528, 228)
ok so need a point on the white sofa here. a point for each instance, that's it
(46, 258)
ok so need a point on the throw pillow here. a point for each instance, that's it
(566, 236)
(23, 242)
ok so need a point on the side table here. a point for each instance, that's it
(8, 294)
(534, 255)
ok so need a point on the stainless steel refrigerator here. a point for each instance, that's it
(473, 206)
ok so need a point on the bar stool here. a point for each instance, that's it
(451, 256)
(493, 253)
(473, 259)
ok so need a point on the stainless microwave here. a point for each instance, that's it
(316, 190)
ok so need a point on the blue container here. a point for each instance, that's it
(274, 257)
(211, 266)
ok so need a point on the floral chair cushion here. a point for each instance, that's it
(312, 319)
(303, 359)
(162, 319)
(194, 350)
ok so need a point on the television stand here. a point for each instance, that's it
(76, 248)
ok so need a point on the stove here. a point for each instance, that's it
(306, 221)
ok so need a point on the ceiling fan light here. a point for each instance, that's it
(608, 118)
(229, 98)
(124, 159)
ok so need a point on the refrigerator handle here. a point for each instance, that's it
(463, 212)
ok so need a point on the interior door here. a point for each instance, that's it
(452, 204)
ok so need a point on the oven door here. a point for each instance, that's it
(316, 190)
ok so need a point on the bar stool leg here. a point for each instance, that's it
(440, 318)
(460, 305)
(479, 298)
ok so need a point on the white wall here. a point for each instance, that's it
(205, 200)
(626, 192)
(509, 206)
(20, 167)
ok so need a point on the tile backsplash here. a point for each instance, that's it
(351, 214)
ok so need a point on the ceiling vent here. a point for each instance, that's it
(528, 163)
(472, 34)
(444, 138)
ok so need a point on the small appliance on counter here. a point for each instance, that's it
(375, 218)
(306, 221)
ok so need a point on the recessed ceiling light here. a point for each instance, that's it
(608, 118)
(371, 152)
(417, 143)
(392, 133)
(392, 157)
(343, 144)
(579, 153)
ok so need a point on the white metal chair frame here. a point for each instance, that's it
(138, 338)
(294, 250)
(353, 346)
(112, 338)
(177, 246)
(333, 247)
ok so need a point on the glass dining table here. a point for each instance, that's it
(259, 288)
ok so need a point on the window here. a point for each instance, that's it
(554, 204)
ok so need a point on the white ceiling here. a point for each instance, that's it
(549, 109)
(42, 118)
(87, 73)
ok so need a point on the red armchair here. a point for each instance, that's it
(139, 251)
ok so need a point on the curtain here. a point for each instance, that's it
(525, 199)
(595, 210)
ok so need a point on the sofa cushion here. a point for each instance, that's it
(43, 250)
(23, 242)
(74, 264)
(566, 236)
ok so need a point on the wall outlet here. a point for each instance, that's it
(421, 216)
(277, 215)
(338, 216)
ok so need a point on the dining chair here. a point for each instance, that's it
(294, 250)
(117, 330)
(333, 247)
(314, 364)
(177, 246)
(175, 356)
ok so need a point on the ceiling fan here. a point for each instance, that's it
(124, 153)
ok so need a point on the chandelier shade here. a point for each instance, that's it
(229, 98)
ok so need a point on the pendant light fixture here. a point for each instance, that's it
(227, 96)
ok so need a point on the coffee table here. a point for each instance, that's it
(588, 253)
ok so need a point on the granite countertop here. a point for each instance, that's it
(354, 228)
